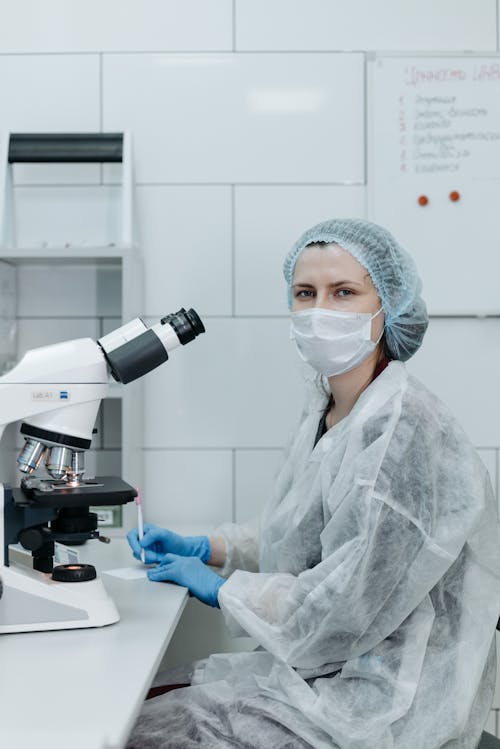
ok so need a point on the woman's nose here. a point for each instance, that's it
(321, 300)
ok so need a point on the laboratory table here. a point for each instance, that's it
(84, 688)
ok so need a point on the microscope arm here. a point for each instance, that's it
(56, 388)
(47, 407)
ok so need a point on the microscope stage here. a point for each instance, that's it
(101, 490)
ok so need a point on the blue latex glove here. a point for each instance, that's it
(190, 572)
(159, 541)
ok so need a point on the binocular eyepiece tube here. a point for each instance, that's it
(134, 349)
(130, 352)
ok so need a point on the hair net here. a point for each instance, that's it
(392, 271)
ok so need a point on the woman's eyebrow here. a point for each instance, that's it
(332, 285)
(346, 283)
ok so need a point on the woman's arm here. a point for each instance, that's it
(379, 562)
(217, 552)
(235, 547)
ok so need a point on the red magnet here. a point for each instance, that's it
(454, 195)
(423, 200)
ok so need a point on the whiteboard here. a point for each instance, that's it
(434, 173)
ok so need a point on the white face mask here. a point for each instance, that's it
(333, 342)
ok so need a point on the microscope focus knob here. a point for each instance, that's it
(33, 538)
(74, 573)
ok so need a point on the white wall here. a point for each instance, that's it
(249, 124)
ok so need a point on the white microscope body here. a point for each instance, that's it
(56, 391)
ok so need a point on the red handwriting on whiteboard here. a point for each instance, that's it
(415, 76)
(486, 72)
(483, 72)
(402, 129)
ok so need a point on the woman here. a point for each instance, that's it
(374, 588)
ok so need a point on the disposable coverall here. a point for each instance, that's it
(376, 596)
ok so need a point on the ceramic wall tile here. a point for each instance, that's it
(226, 118)
(459, 363)
(187, 488)
(119, 25)
(55, 289)
(39, 331)
(185, 240)
(268, 220)
(420, 25)
(111, 427)
(254, 480)
(50, 93)
(237, 386)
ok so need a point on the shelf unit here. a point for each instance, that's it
(121, 255)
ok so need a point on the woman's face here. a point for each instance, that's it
(329, 277)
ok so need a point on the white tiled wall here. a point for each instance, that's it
(185, 233)
(238, 386)
(459, 362)
(267, 221)
(236, 118)
(32, 330)
(43, 93)
(249, 124)
(119, 25)
(194, 486)
(49, 93)
(67, 291)
(255, 471)
(422, 25)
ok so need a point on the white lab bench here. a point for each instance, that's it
(84, 688)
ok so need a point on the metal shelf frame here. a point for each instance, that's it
(124, 253)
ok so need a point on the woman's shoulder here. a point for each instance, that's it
(426, 459)
(413, 394)
(403, 404)
(430, 408)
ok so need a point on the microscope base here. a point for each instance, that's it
(33, 602)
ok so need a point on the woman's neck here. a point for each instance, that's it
(346, 388)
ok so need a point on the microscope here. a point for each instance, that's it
(56, 392)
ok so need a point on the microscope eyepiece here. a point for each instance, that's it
(134, 349)
(187, 325)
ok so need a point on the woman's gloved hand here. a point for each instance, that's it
(157, 542)
(190, 572)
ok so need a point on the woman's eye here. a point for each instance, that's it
(303, 294)
(344, 292)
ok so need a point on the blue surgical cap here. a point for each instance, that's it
(391, 269)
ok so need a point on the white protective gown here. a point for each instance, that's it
(377, 594)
